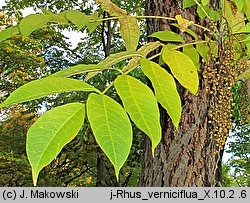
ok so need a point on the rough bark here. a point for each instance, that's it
(184, 157)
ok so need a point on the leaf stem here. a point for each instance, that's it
(202, 9)
(190, 43)
(138, 17)
(108, 87)
(116, 69)
(202, 27)
(106, 19)
(154, 56)
(178, 47)
(155, 17)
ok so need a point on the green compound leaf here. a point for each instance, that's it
(165, 89)
(9, 32)
(78, 18)
(183, 69)
(130, 32)
(167, 36)
(141, 104)
(46, 86)
(50, 133)
(77, 69)
(111, 127)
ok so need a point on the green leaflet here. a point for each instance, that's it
(201, 13)
(192, 33)
(130, 32)
(78, 18)
(167, 36)
(59, 18)
(115, 58)
(33, 22)
(239, 4)
(214, 46)
(111, 8)
(203, 50)
(90, 75)
(93, 24)
(247, 39)
(187, 30)
(212, 13)
(205, 2)
(248, 48)
(111, 127)
(141, 104)
(183, 69)
(245, 29)
(188, 3)
(246, 7)
(235, 18)
(170, 46)
(43, 87)
(193, 54)
(50, 133)
(77, 69)
(165, 89)
(144, 51)
(147, 48)
(9, 32)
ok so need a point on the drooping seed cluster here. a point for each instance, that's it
(221, 73)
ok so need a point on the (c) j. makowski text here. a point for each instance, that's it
(44, 194)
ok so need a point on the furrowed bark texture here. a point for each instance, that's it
(184, 157)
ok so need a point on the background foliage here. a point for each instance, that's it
(46, 52)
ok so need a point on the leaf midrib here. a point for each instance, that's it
(110, 134)
(135, 102)
(158, 84)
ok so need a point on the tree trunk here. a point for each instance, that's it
(100, 178)
(184, 157)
